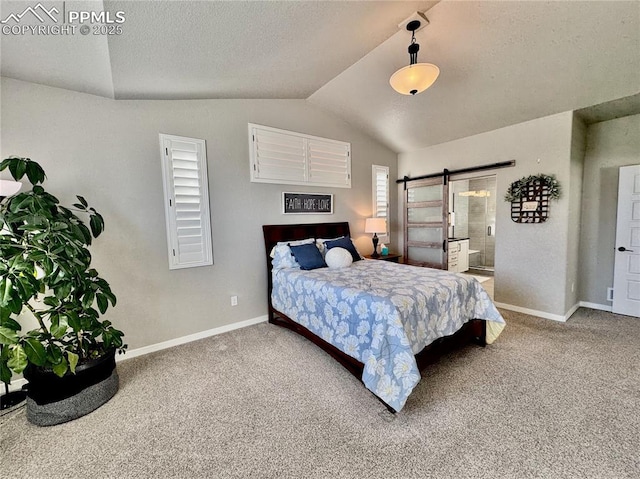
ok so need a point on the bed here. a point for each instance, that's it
(381, 320)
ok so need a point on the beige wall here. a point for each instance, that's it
(610, 145)
(108, 151)
(531, 269)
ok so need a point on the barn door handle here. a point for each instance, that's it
(622, 249)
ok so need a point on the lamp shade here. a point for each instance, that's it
(9, 187)
(414, 78)
(375, 225)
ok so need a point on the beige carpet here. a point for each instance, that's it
(546, 400)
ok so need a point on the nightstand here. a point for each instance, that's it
(394, 258)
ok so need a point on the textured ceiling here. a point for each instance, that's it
(205, 49)
(245, 49)
(502, 62)
(73, 62)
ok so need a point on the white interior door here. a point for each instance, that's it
(626, 279)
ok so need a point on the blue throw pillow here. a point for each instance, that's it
(345, 243)
(308, 256)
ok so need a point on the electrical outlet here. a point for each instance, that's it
(234, 301)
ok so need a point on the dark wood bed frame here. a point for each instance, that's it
(473, 331)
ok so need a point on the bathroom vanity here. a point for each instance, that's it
(458, 254)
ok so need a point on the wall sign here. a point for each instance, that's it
(530, 205)
(315, 203)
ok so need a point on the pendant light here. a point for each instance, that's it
(416, 77)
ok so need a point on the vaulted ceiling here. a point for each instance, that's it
(501, 62)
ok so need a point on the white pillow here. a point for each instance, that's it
(282, 256)
(287, 243)
(338, 258)
(321, 246)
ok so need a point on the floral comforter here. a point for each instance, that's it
(381, 314)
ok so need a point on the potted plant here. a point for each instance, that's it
(46, 274)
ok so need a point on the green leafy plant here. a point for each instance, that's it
(518, 189)
(45, 272)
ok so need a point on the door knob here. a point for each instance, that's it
(623, 249)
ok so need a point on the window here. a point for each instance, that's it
(186, 191)
(285, 157)
(380, 188)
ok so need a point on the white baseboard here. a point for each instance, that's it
(17, 384)
(569, 313)
(533, 312)
(134, 353)
(554, 317)
(601, 307)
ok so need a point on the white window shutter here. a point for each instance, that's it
(186, 190)
(380, 189)
(285, 157)
(329, 162)
(279, 156)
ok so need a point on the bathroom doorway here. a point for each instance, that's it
(472, 208)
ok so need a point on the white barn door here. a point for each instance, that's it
(626, 279)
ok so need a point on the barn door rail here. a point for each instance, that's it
(447, 173)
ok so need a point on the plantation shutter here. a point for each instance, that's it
(279, 156)
(329, 162)
(186, 188)
(380, 189)
(285, 157)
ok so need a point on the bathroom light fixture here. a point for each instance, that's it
(478, 194)
(416, 77)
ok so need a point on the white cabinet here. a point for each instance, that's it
(459, 256)
(463, 256)
(453, 256)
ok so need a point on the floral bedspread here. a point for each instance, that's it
(381, 314)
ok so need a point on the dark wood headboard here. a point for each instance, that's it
(275, 233)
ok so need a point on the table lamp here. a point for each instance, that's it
(375, 225)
